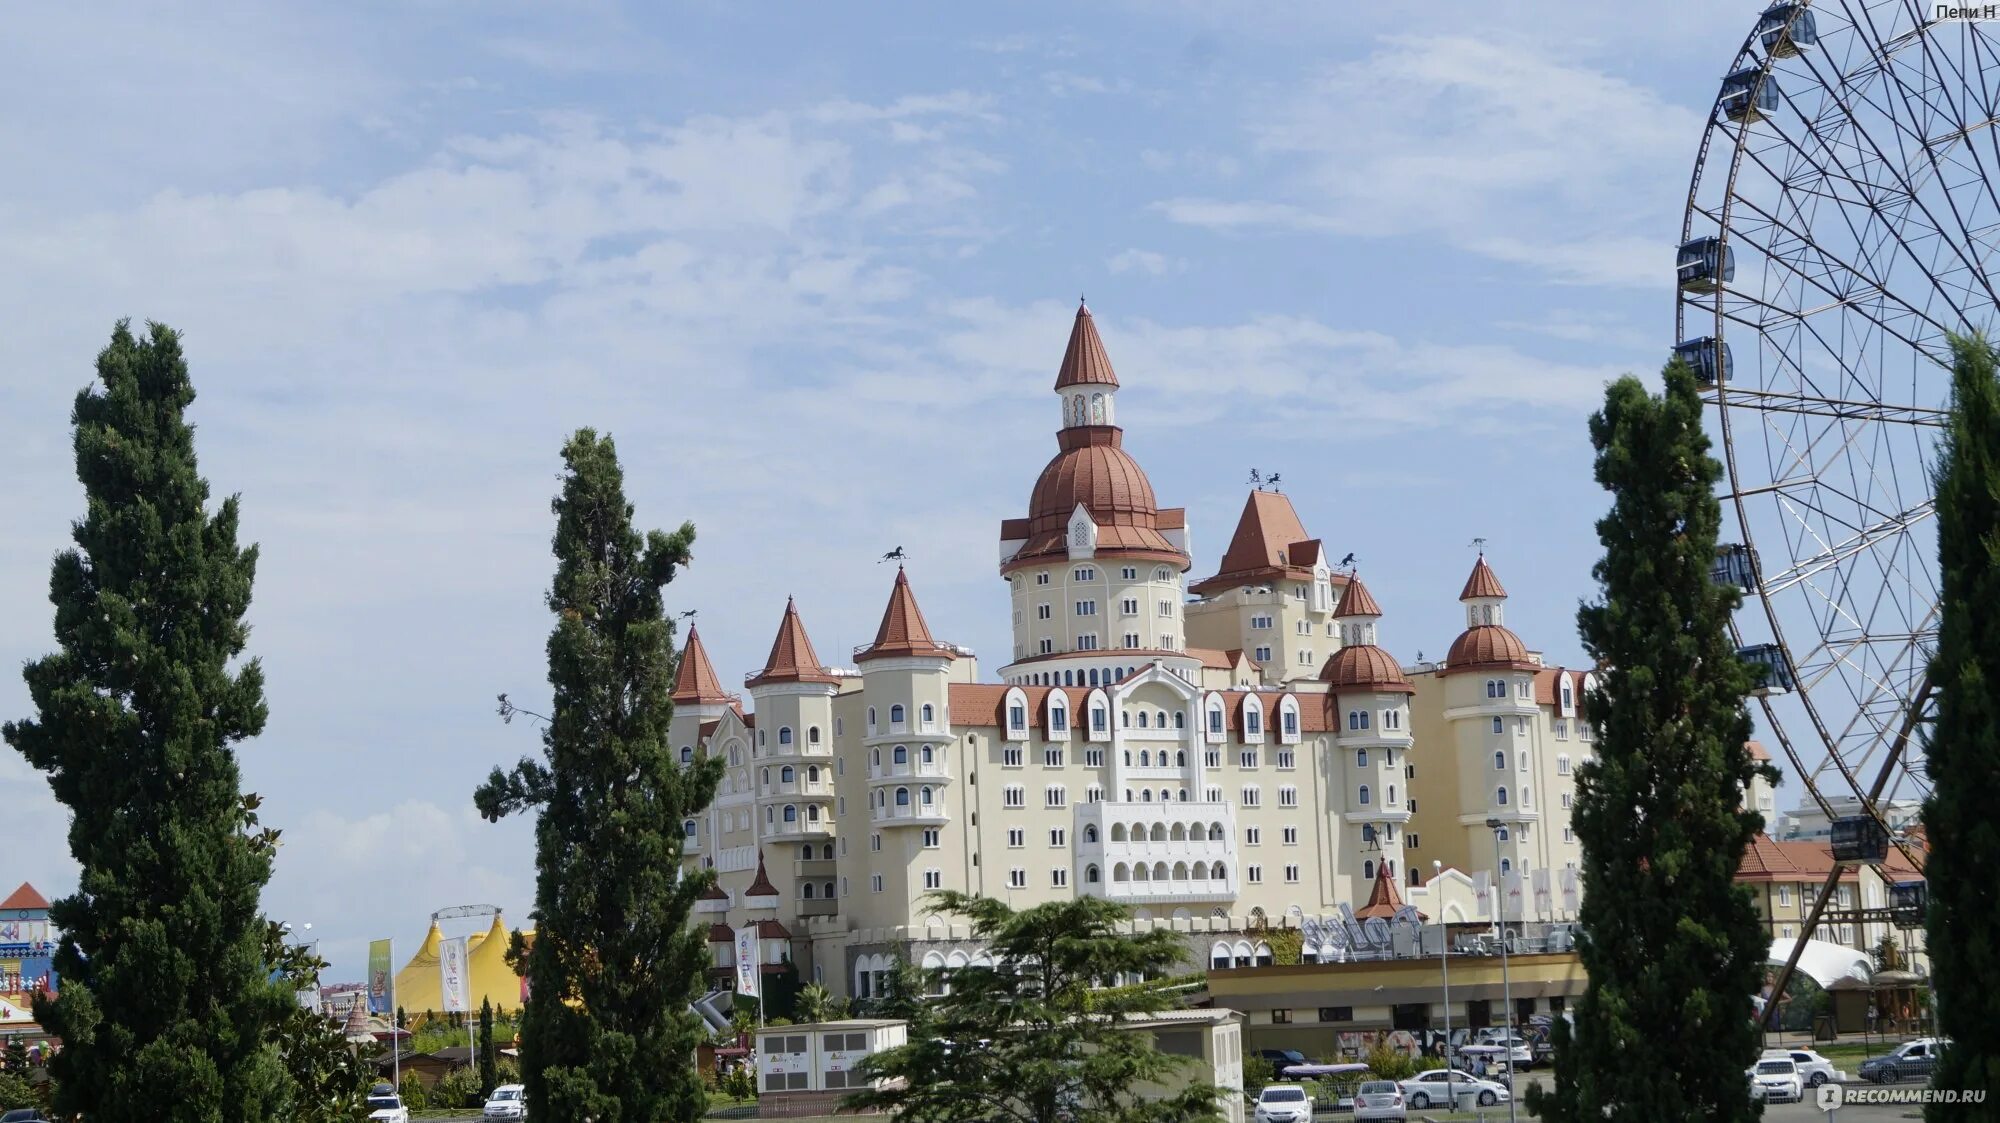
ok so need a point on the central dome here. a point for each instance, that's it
(1365, 666)
(1093, 470)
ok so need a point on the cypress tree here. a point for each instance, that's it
(489, 1059)
(1963, 748)
(166, 1009)
(607, 1033)
(1671, 944)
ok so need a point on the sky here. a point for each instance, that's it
(813, 267)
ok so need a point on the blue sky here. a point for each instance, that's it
(814, 268)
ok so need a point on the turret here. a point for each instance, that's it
(1368, 699)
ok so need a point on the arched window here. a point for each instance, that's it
(929, 713)
(1506, 866)
(1368, 871)
(1121, 872)
(1180, 719)
(1090, 875)
(812, 774)
(786, 775)
(687, 755)
(896, 714)
(1367, 832)
(902, 797)
(784, 735)
(1093, 677)
(1414, 879)
(791, 813)
(1182, 795)
(1215, 832)
(875, 757)
(826, 891)
(1143, 716)
(812, 734)
(1145, 795)
(1361, 758)
(1069, 679)
(806, 890)
(826, 852)
(871, 717)
(1180, 759)
(924, 796)
(1500, 761)
(764, 777)
(806, 852)
(1145, 758)
(926, 754)
(900, 754)
(1392, 795)
(1500, 795)
(689, 828)
(1118, 832)
(1090, 833)
(812, 812)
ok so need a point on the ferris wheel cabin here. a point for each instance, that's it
(1735, 564)
(1787, 29)
(1708, 356)
(1748, 95)
(1773, 670)
(1704, 265)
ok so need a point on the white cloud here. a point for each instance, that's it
(1144, 261)
(1491, 145)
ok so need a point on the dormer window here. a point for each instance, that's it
(1058, 720)
(1017, 717)
(1098, 719)
(1252, 723)
(1215, 721)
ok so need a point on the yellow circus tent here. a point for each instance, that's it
(418, 988)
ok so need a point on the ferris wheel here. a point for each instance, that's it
(1843, 218)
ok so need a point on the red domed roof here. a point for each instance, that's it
(1487, 645)
(1364, 666)
(1092, 470)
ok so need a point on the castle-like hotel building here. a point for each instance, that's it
(1217, 755)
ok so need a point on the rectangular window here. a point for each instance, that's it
(1052, 757)
(1784, 894)
(1212, 758)
(1281, 1017)
(1055, 797)
(1263, 655)
(1562, 729)
(1131, 639)
(1098, 720)
(1086, 608)
(1044, 611)
(1041, 578)
(1014, 797)
(875, 883)
(1048, 645)
(1017, 837)
(1253, 836)
(1129, 573)
(1166, 608)
(1087, 642)
(1011, 756)
(1059, 877)
(1212, 795)
(1291, 875)
(1093, 758)
(1567, 801)
(1247, 758)
(1260, 622)
(1058, 836)
(1129, 606)
(1499, 725)
(1569, 835)
(1093, 794)
(931, 838)
(1336, 1013)
(1286, 759)
(1254, 874)
(1017, 878)
(1249, 795)
(1410, 842)
(933, 879)
(1288, 797)
(875, 842)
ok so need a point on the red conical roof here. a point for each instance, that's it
(1356, 601)
(792, 658)
(26, 897)
(761, 885)
(1085, 362)
(714, 892)
(903, 631)
(1482, 583)
(695, 682)
(1383, 899)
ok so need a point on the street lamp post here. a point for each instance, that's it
(1506, 985)
(1444, 946)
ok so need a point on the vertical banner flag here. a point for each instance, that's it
(1571, 898)
(1540, 880)
(1511, 881)
(378, 976)
(1482, 892)
(746, 962)
(452, 982)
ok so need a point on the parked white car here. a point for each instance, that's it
(1520, 1055)
(1284, 1103)
(1378, 1100)
(508, 1101)
(1814, 1069)
(387, 1108)
(1776, 1080)
(1440, 1087)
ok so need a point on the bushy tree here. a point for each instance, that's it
(607, 1033)
(326, 1079)
(1671, 944)
(817, 1004)
(489, 1057)
(166, 1009)
(1032, 1039)
(1963, 929)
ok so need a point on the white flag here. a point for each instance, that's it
(747, 980)
(1511, 882)
(453, 986)
(1571, 896)
(1482, 892)
(1540, 880)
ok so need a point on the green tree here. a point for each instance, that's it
(817, 1004)
(1669, 938)
(327, 1081)
(17, 1056)
(1032, 1039)
(1963, 929)
(489, 1056)
(607, 1033)
(1888, 953)
(166, 1009)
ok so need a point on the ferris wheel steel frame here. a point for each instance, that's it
(1805, 126)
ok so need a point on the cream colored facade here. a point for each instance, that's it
(1136, 746)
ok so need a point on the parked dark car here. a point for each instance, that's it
(22, 1115)
(1279, 1058)
(1912, 1060)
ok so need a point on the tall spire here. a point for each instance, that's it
(1086, 360)
(695, 682)
(792, 658)
(903, 631)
